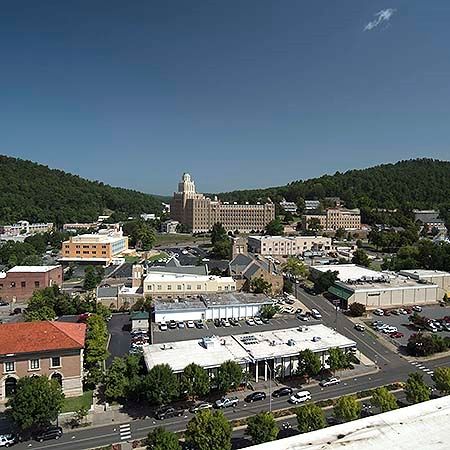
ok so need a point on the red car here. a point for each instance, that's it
(409, 310)
(396, 335)
(386, 312)
(82, 318)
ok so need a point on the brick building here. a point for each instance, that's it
(200, 213)
(19, 283)
(336, 218)
(52, 349)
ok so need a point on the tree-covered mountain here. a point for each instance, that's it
(34, 192)
(416, 183)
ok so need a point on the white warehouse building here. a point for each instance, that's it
(213, 306)
(288, 245)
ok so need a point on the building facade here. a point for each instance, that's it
(101, 247)
(289, 245)
(26, 228)
(335, 219)
(288, 206)
(200, 213)
(169, 226)
(19, 283)
(173, 285)
(51, 349)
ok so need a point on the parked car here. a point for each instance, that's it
(316, 314)
(396, 335)
(190, 324)
(82, 318)
(359, 327)
(250, 322)
(217, 323)
(408, 310)
(225, 323)
(303, 317)
(173, 325)
(6, 440)
(258, 320)
(298, 311)
(52, 432)
(300, 397)
(330, 381)
(163, 326)
(181, 324)
(200, 406)
(265, 320)
(417, 308)
(403, 311)
(379, 312)
(255, 396)
(282, 392)
(233, 322)
(396, 312)
(199, 324)
(3, 303)
(386, 312)
(288, 310)
(227, 402)
(430, 327)
(165, 412)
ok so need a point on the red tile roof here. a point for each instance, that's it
(30, 337)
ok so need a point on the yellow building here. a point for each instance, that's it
(101, 247)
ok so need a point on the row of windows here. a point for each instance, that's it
(23, 284)
(159, 287)
(85, 252)
(33, 364)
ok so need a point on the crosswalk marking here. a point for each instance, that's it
(423, 368)
(125, 432)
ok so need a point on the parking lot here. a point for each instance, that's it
(403, 325)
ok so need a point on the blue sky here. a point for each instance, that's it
(241, 94)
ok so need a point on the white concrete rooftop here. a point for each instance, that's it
(352, 272)
(34, 269)
(174, 277)
(245, 347)
(423, 427)
(424, 273)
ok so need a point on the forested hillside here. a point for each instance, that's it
(36, 193)
(418, 183)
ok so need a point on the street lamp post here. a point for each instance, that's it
(270, 385)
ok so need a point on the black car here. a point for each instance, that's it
(255, 396)
(282, 392)
(199, 324)
(217, 323)
(49, 433)
(172, 325)
(233, 322)
(166, 412)
(3, 303)
(265, 320)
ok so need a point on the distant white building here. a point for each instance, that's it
(311, 205)
(169, 226)
(288, 206)
(25, 228)
(288, 245)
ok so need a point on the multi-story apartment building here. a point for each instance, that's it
(52, 349)
(101, 247)
(19, 283)
(26, 228)
(336, 218)
(173, 285)
(289, 245)
(200, 213)
(311, 205)
(288, 206)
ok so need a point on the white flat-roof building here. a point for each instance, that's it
(442, 279)
(179, 284)
(423, 426)
(288, 245)
(235, 305)
(378, 289)
(258, 353)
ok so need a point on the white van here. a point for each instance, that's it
(316, 314)
(300, 397)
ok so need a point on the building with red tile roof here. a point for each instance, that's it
(53, 349)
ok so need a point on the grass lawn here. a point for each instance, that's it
(158, 256)
(170, 239)
(75, 403)
(132, 259)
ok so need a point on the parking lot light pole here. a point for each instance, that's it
(270, 385)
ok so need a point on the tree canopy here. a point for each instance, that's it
(161, 385)
(33, 192)
(162, 439)
(262, 428)
(229, 376)
(415, 388)
(347, 408)
(441, 379)
(310, 417)
(384, 400)
(195, 381)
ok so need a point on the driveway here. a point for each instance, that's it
(120, 340)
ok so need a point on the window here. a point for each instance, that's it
(13, 284)
(23, 284)
(159, 287)
(9, 366)
(199, 287)
(179, 287)
(169, 287)
(188, 287)
(37, 284)
(55, 361)
(34, 364)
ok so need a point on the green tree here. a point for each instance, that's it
(441, 379)
(360, 258)
(209, 431)
(95, 347)
(295, 268)
(415, 388)
(384, 400)
(309, 364)
(268, 311)
(260, 286)
(222, 246)
(229, 376)
(357, 309)
(44, 313)
(347, 408)
(275, 228)
(288, 217)
(36, 402)
(161, 385)
(310, 417)
(90, 278)
(162, 439)
(262, 428)
(218, 233)
(337, 359)
(340, 234)
(324, 281)
(314, 224)
(195, 381)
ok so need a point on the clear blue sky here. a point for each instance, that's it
(241, 94)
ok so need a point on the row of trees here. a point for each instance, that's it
(126, 379)
(221, 242)
(424, 344)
